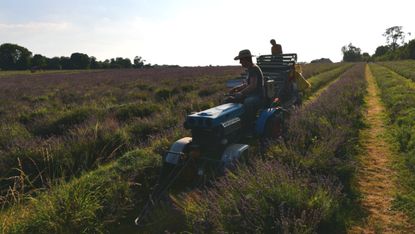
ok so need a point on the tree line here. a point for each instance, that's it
(395, 49)
(15, 57)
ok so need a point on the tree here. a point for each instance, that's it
(366, 57)
(80, 61)
(39, 61)
(106, 64)
(351, 53)
(94, 64)
(393, 34)
(124, 63)
(411, 49)
(54, 63)
(14, 57)
(66, 63)
(381, 50)
(138, 62)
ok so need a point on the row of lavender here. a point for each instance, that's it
(304, 185)
(85, 203)
(404, 67)
(58, 126)
(398, 94)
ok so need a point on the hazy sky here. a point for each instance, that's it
(193, 32)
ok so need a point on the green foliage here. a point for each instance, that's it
(163, 94)
(12, 132)
(39, 61)
(78, 207)
(393, 34)
(138, 62)
(397, 94)
(142, 129)
(351, 53)
(381, 50)
(411, 49)
(187, 88)
(14, 57)
(395, 51)
(61, 124)
(403, 67)
(80, 61)
(128, 111)
(85, 204)
(268, 198)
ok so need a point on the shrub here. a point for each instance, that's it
(63, 123)
(11, 133)
(164, 93)
(141, 110)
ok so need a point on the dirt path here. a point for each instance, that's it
(376, 178)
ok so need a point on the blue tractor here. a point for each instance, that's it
(218, 135)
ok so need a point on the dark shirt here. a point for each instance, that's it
(256, 71)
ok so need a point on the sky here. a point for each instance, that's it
(199, 33)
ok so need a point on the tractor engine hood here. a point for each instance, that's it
(214, 117)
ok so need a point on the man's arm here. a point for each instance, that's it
(238, 88)
(251, 87)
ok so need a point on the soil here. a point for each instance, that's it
(376, 177)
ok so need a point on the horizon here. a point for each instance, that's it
(196, 33)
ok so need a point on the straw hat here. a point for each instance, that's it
(243, 54)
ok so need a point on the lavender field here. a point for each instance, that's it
(80, 153)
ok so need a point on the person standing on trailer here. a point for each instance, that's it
(276, 49)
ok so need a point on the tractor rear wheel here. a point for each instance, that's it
(274, 127)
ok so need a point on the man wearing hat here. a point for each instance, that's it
(252, 91)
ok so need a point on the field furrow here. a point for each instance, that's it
(397, 94)
(376, 177)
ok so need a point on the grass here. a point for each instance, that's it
(397, 93)
(85, 204)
